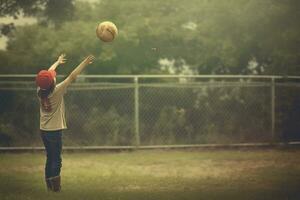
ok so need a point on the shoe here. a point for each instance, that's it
(55, 183)
(49, 184)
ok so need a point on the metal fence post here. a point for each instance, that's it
(136, 111)
(273, 108)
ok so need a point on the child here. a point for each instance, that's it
(52, 116)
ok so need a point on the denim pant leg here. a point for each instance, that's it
(53, 144)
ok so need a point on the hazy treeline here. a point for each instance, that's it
(207, 36)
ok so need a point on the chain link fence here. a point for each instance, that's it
(157, 110)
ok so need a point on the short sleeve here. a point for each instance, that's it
(61, 88)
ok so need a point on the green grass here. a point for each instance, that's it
(167, 175)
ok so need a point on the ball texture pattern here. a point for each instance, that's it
(106, 31)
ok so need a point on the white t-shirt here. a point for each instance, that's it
(52, 109)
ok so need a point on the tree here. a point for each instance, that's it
(214, 37)
(53, 11)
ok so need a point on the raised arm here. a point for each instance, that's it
(61, 60)
(73, 75)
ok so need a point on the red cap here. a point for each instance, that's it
(45, 79)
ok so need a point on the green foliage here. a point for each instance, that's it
(19, 123)
(15, 7)
(212, 37)
(112, 128)
(211, 113)
(171, 124)
(203, 36)
(48, 12)
(98, 118)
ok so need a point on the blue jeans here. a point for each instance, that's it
(53, 144)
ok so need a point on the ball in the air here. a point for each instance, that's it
(106, 31)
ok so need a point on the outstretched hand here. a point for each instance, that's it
(61, 59)
(89, 59)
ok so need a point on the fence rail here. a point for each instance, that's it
(150, 110)
(162, 76)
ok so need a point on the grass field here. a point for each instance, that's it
(167, 175)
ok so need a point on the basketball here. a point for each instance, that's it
(106, 31)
